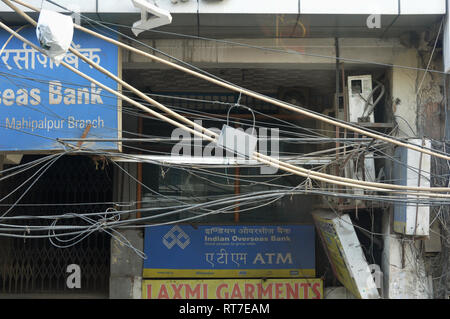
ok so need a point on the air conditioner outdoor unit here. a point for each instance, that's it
(360, 109)
(360, 102)
(360, 98)
(412, 168)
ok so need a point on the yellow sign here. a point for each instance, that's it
(233, 289)
(399, 227)
(334, 251)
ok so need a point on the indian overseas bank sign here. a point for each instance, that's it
(41, 101)
(229, 251)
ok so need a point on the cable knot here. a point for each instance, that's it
(308, 183)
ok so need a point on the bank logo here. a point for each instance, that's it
(176, 236)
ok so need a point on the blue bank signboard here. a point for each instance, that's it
(41, 101)
(229, 251)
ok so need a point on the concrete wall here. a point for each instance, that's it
(403, 267)
(430, 99)
(126, 267)
(203, 52)
(403, 92)
(311, 53)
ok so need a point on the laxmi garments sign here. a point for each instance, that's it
(233, 289)
(229, 251)
(41, 101)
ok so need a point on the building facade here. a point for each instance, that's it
(377, 64)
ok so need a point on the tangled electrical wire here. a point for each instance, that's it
(163, 206)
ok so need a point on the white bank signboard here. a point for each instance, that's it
(41, 102)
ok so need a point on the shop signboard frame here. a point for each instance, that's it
(229, 251)
(292, 288)
(43, 104)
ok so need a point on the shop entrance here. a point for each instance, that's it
(36, 267)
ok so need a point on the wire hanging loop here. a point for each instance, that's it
(237, 104)
(308, 184)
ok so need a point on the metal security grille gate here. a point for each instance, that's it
(36, 266)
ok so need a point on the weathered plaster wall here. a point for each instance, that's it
(403, 92)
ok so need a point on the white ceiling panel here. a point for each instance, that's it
(349, 7)
(126, 6)
(421, 7)
(249, 6)
(83, 5)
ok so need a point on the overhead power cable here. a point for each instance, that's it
(110, 226)
(232, 87)
(262, 158)
(271, 49)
